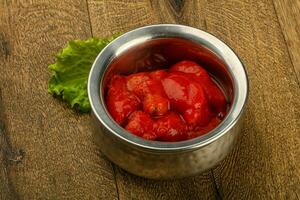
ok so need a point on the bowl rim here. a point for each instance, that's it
(143, 34)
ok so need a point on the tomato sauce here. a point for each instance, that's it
(176, 104)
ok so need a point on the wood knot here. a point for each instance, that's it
(177, 5)
(15, 157)
(4, 46)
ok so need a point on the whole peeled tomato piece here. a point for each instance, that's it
(170, 128)
(216, 98)
(190, 67)
(188, 97)
(214, 122)
(151, 92)
(158, 74)
(141, 124)
(176, 88)
(156, 105)
(120, 102)
(215, 95)
(197, 117)
(136, 83)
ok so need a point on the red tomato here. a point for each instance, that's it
(156, 104)
(170, 127)
(203, 130)
(136, 83)
(197, 117)
(215, 96)
(120, 102)
(141, 124)
(155, 101)
(188, 98)
(158, 74)
(190, 67)
(162, 105)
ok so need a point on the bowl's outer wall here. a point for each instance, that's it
(164, 165)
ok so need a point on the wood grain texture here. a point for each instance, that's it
(265, 165)
(133, 187)
(61, 161)
(288, 13)
(6, 189)
(111, 16)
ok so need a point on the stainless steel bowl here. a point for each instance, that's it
(158, 46)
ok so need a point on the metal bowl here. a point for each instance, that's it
(157, 46)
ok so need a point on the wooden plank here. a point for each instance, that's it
(288, 13)
(61, 160)
(6, 189)
(111, 16)
(265, 165)
(133, 187)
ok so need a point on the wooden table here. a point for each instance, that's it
(46, 149)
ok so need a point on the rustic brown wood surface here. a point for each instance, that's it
(288, 13)
(60, 160)
(266, 163)
(46, 149)
(6, 190)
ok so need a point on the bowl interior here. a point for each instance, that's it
(159, 46)
(161, 53)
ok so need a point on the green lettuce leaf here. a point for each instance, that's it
(71, 69)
